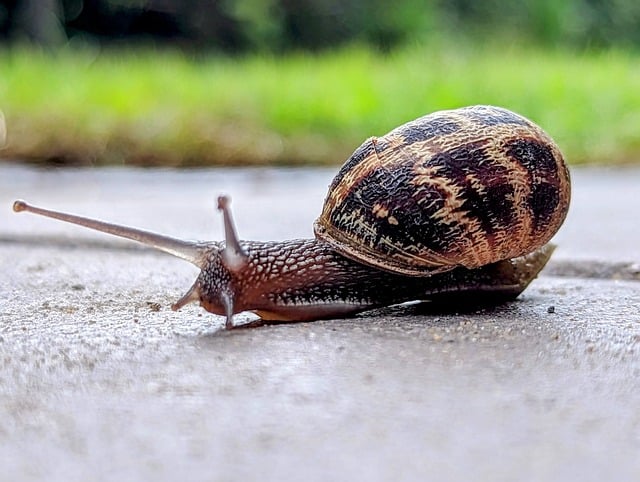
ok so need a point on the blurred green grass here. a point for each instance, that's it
(165, 108)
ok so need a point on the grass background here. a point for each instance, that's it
(147, 107)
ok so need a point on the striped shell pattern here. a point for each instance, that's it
(464, 187)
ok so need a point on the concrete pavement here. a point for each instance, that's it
(99, 379)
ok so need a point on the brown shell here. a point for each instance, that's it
(464, 187)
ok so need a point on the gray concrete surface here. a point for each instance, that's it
(99, 380)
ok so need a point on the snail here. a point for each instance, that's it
(457, 204)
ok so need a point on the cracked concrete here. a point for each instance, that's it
(100, 380)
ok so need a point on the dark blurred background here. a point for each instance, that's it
(237, 26)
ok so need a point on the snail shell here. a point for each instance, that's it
(464, 187)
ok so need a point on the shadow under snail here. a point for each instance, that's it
(454, 205)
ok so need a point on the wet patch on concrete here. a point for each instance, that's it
(594, 269)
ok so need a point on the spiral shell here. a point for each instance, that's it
(464, 187)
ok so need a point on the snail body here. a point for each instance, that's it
(457, 203)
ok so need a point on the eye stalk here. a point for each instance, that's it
(233, 255)
(218, 264)
(186, 250)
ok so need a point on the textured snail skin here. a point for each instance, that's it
(464, 187)
(306, 280)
